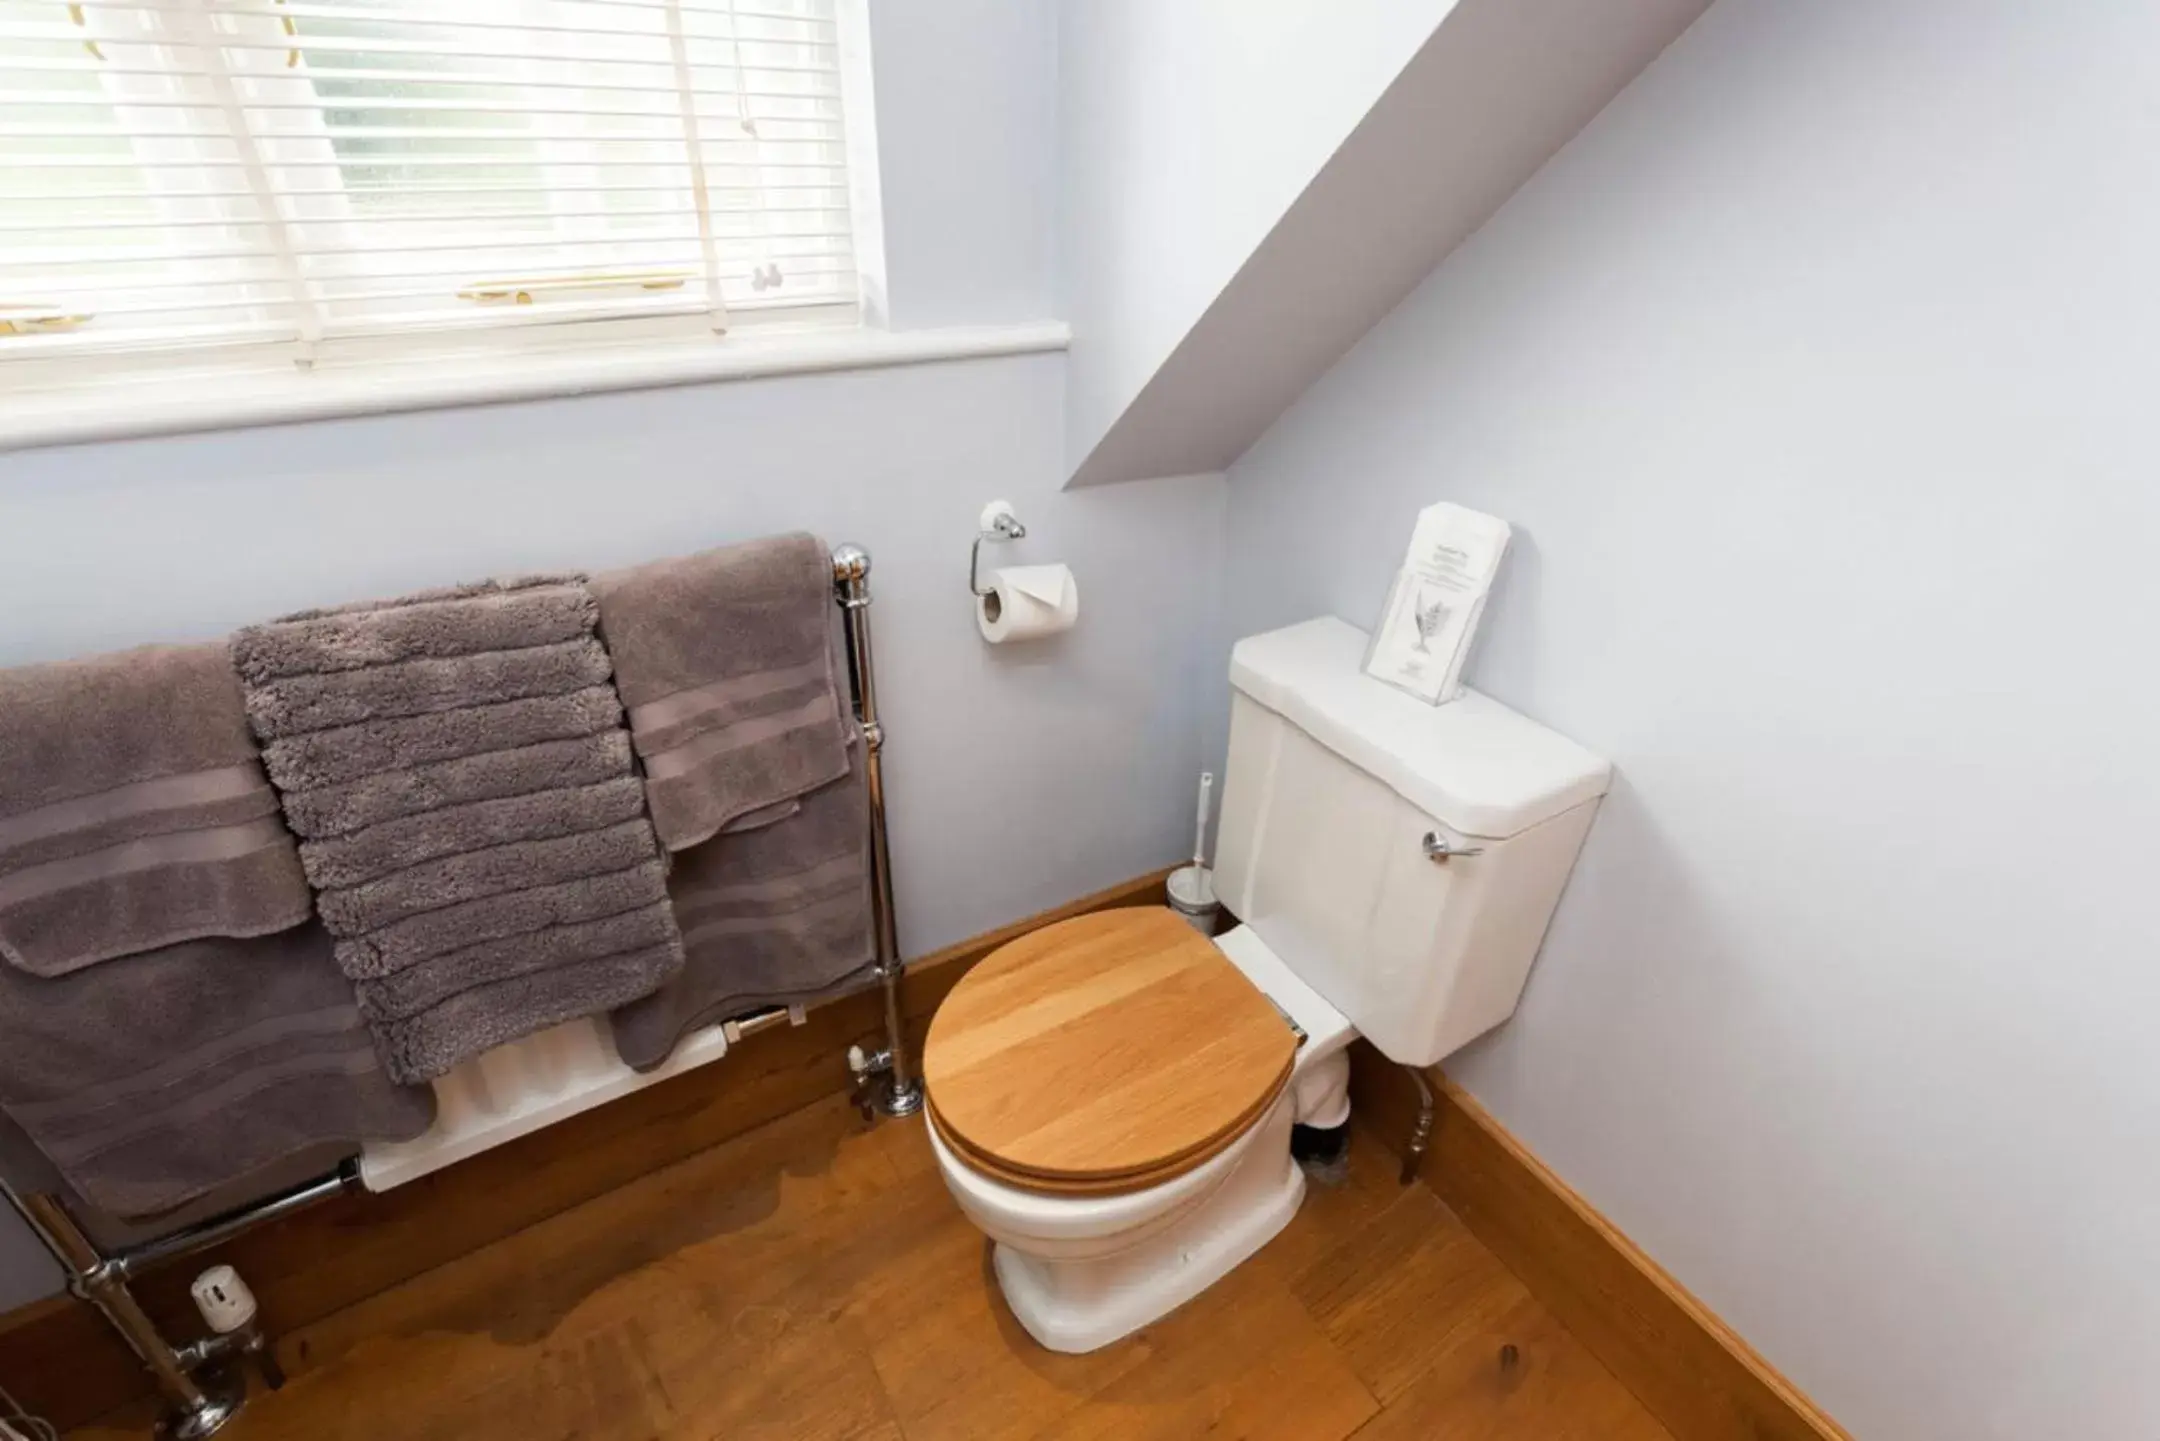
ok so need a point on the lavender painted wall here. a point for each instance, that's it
(1816, 378)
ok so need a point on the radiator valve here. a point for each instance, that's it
(228, 1308)
(224, 1299)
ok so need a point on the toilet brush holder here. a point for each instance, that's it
(1192, 888)
(1192, 895)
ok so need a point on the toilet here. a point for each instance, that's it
(1110, 1098)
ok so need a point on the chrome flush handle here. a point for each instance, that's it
(1439, 852)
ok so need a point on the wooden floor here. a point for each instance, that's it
(811, 1281)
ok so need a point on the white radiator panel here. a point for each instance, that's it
(504, 1093)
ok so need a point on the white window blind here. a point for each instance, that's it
(194, 173)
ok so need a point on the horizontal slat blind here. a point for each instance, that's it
(203, 171)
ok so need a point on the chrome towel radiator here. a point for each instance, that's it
(204, 1382)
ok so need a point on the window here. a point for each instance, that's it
(178, 175)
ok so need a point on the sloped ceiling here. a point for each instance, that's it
(1322, 235)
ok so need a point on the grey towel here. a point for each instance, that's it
(134, 812)
(157, 1078)
(775, 915)
(477, 874)
(438, 1039)
(463, 620)
(458, 765)
(348, 753)
(417, 988)
(727, 664)
(396, 845)
(514, 913)
(297, 704)
(339, 810)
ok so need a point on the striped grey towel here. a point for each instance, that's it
(435, 934)
(728, 664)
(161, 1077)
(134, 812)
(456, 765)
(776, 912)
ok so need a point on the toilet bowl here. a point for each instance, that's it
(1081, 1268)
(1110, 1098)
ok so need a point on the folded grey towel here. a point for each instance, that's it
(728, 664)
(348, 753)
(494, 615)
(459, 765)
(134, 812)
(232, 881)
(439, 1038)
(212, 800)
(515, 913)
(404, 994)
(395, 845)
(294, 705)
(159, 1077)
(776, 915)
(476, 875)
(339, 810)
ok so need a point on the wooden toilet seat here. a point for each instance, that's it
(1104, 1054)
(1109, 1184)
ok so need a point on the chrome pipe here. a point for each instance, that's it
(217, 1229)
(902, 1094)
(743, 1027)
(94, 1279)
(202, 1390)
(1421, 1128)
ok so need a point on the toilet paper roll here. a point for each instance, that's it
(1026, 601)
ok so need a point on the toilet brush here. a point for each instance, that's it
(1192, 888)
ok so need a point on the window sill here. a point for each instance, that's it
(213, 399)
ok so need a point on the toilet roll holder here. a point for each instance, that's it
(998, 523)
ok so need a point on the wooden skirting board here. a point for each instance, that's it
(1688, 1367)
(61, 1361)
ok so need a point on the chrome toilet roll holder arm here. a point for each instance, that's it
(998, 523)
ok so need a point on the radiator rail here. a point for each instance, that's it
(496, 1097)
